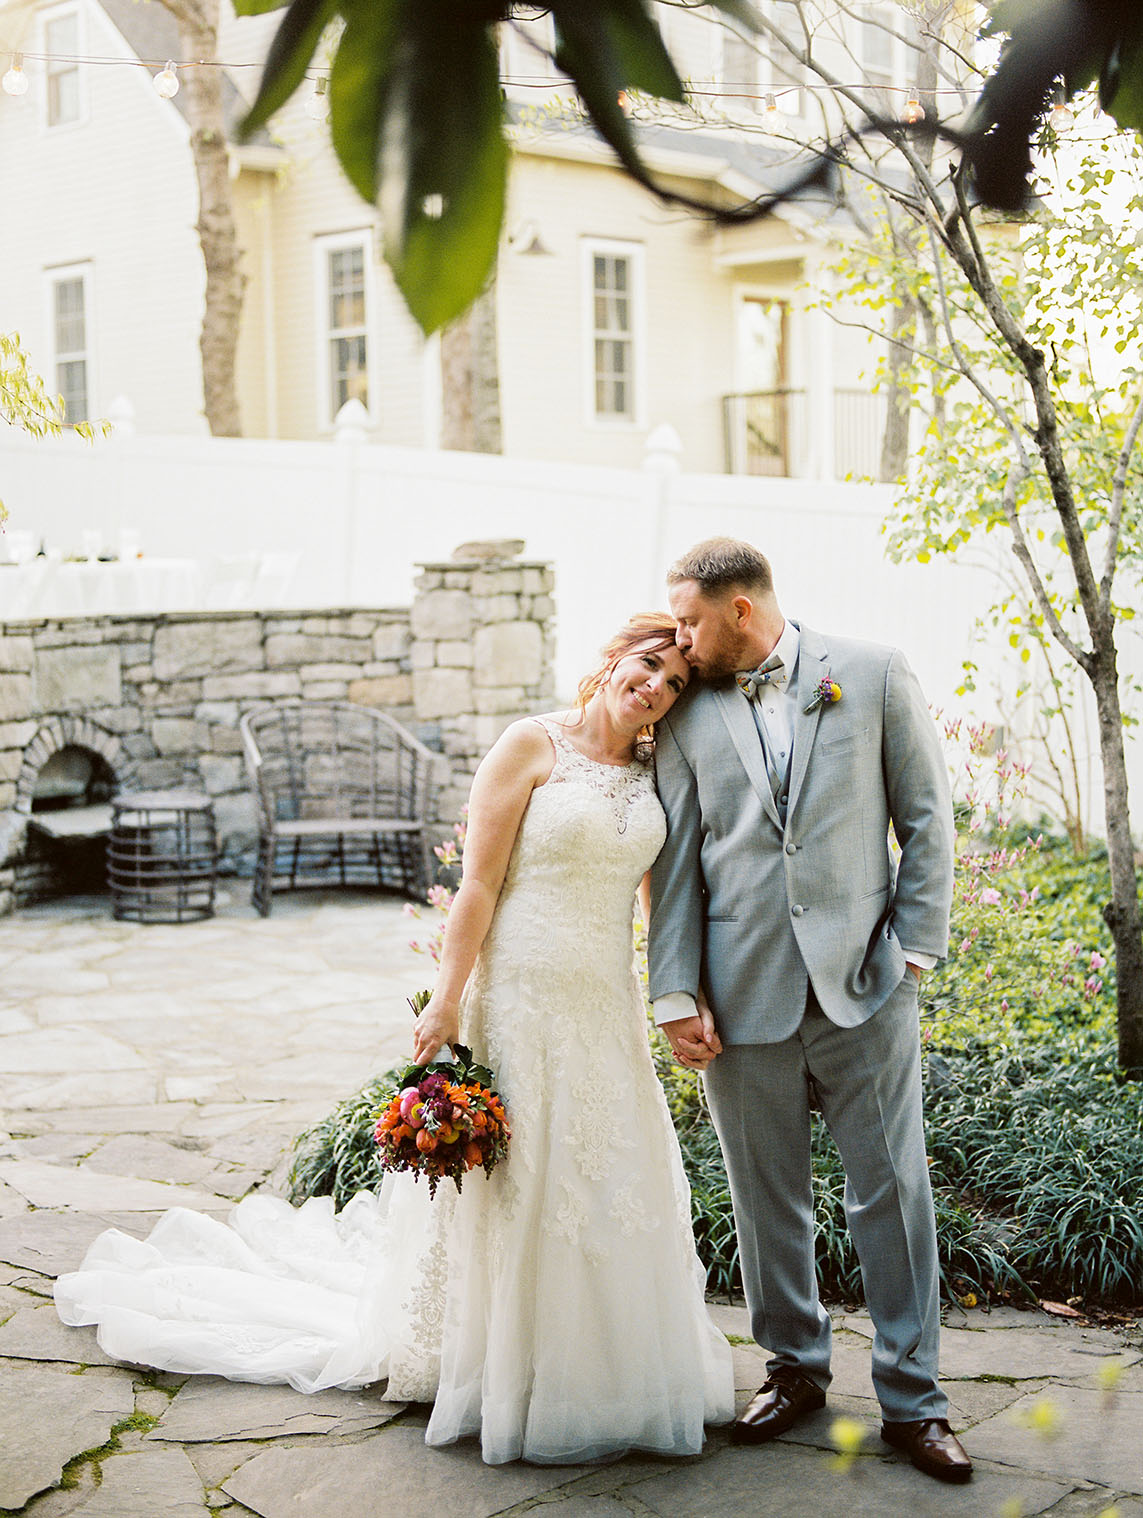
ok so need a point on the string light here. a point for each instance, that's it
(1060, 117)
(317, 106)
(167, 81)
(15, 81)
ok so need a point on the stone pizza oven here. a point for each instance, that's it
(89, 707)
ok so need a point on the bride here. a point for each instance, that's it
(554, 1308)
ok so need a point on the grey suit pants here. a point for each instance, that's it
(868, 1081)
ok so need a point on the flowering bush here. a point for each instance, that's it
(439, 896)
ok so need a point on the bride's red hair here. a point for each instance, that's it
(646, 630)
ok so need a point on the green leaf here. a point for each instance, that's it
(1121, 80)
(257, 7)
(586, 52)
(372, 50)
(290, 53)
(738, 10)
(444, 163)
(644, 62)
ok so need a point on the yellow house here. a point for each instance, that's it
(616, 316)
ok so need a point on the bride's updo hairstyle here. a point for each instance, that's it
(647, 631)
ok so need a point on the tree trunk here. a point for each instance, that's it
(218, 236)
(470, 379)
(895, 438)
(1122, 912)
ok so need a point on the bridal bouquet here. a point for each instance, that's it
(443, 1120)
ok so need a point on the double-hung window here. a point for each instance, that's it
(63, 104)
(68, 315)
(344, 273)
(614, 291)
(756, 65)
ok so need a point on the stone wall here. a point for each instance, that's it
(158, 698)
(481, 654)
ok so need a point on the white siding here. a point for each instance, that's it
(87, 194)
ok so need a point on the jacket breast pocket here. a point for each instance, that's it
(860, 738)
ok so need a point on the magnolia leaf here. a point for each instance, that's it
(738, 10)
(290, 53)
(644, 63)
(370, 52)
(444, 167)
(1121, 79)
(586, 52)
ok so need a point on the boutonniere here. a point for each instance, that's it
(826, 693)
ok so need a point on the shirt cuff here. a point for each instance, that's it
(665, 1009)
(914, 957)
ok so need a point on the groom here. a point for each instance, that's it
(785, 951)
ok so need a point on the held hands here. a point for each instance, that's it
(438, 1024)
(694, 1039)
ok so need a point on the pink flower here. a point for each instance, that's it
(1004, 1004)
(990, 897)
(1097, 960)
(1092, 987)
(988, 972)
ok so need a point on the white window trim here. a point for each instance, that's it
(903, 58)
(53, 276)
(790, 99)
(637, 254)
(324, 245)
(57, 13)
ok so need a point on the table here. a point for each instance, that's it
(162, 856)
(51, 588)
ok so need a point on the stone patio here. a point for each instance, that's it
(144, 1065)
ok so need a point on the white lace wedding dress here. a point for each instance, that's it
(554, 1308)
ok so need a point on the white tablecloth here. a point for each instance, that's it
(51, 588)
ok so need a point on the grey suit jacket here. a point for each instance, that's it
(754, 910)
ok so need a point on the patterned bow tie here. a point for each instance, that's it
(751, 681)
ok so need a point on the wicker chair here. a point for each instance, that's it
(344, 797)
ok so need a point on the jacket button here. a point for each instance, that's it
(796, 911)
(791, 848)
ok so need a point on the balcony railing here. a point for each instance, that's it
(772, 432)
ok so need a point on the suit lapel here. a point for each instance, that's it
(813, 667)
(735, 710)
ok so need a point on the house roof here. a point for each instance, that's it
(739, 162)
(152, 33)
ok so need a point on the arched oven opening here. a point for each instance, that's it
(69, 820)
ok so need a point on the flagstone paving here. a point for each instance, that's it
(142, 1066)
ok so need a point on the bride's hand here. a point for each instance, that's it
(438, 1024)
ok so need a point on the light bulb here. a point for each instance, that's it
(317, 106)
(625, 103)
(167, 81)
(1060, 117)
(914, 111)
(15, 81)
(770, 104)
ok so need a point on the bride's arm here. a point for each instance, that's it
(520, 760)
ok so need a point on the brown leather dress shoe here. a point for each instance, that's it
(778, 1404)
(932, 1447)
